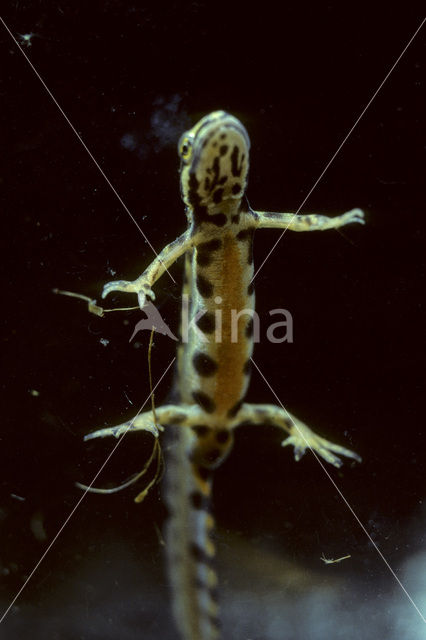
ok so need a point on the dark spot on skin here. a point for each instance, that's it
(250, 252)
(204, 365)
(222, 436)
(235, 219)
(223, 136)
(193, 183)
(236, 188)
(218, 219)
(250, 289)
(203, 473)
(235, 169)
(179, 418)
(203, 259)
(214, 594)
(223, 149)
(212, 455)
(201, 430)
(200, 585)
(223, 180)
(204, 401)
(215, 170)
(199, 554)
(235, 409)
(199, 210)
(200, 213)
(215, 622)
(207, 183)
(204, 287)
(206, 323)
(197, 500)
(214, 144)
(205, 250)
(217, 196)
(249, 328)
(244, 235)
(247, 367)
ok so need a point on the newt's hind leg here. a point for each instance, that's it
(300, 436)
(182, 415)
(150, 422)
(143, 421)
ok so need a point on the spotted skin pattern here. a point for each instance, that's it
(213, 362)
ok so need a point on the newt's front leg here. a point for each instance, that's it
(142, 285)
(307, 222)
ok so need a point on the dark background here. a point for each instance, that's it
(131, 77)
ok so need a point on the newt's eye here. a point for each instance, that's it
(185, 148)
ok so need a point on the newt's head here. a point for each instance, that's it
(214, 166)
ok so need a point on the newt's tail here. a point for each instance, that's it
(189, 546)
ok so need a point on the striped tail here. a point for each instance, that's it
(189, 547)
